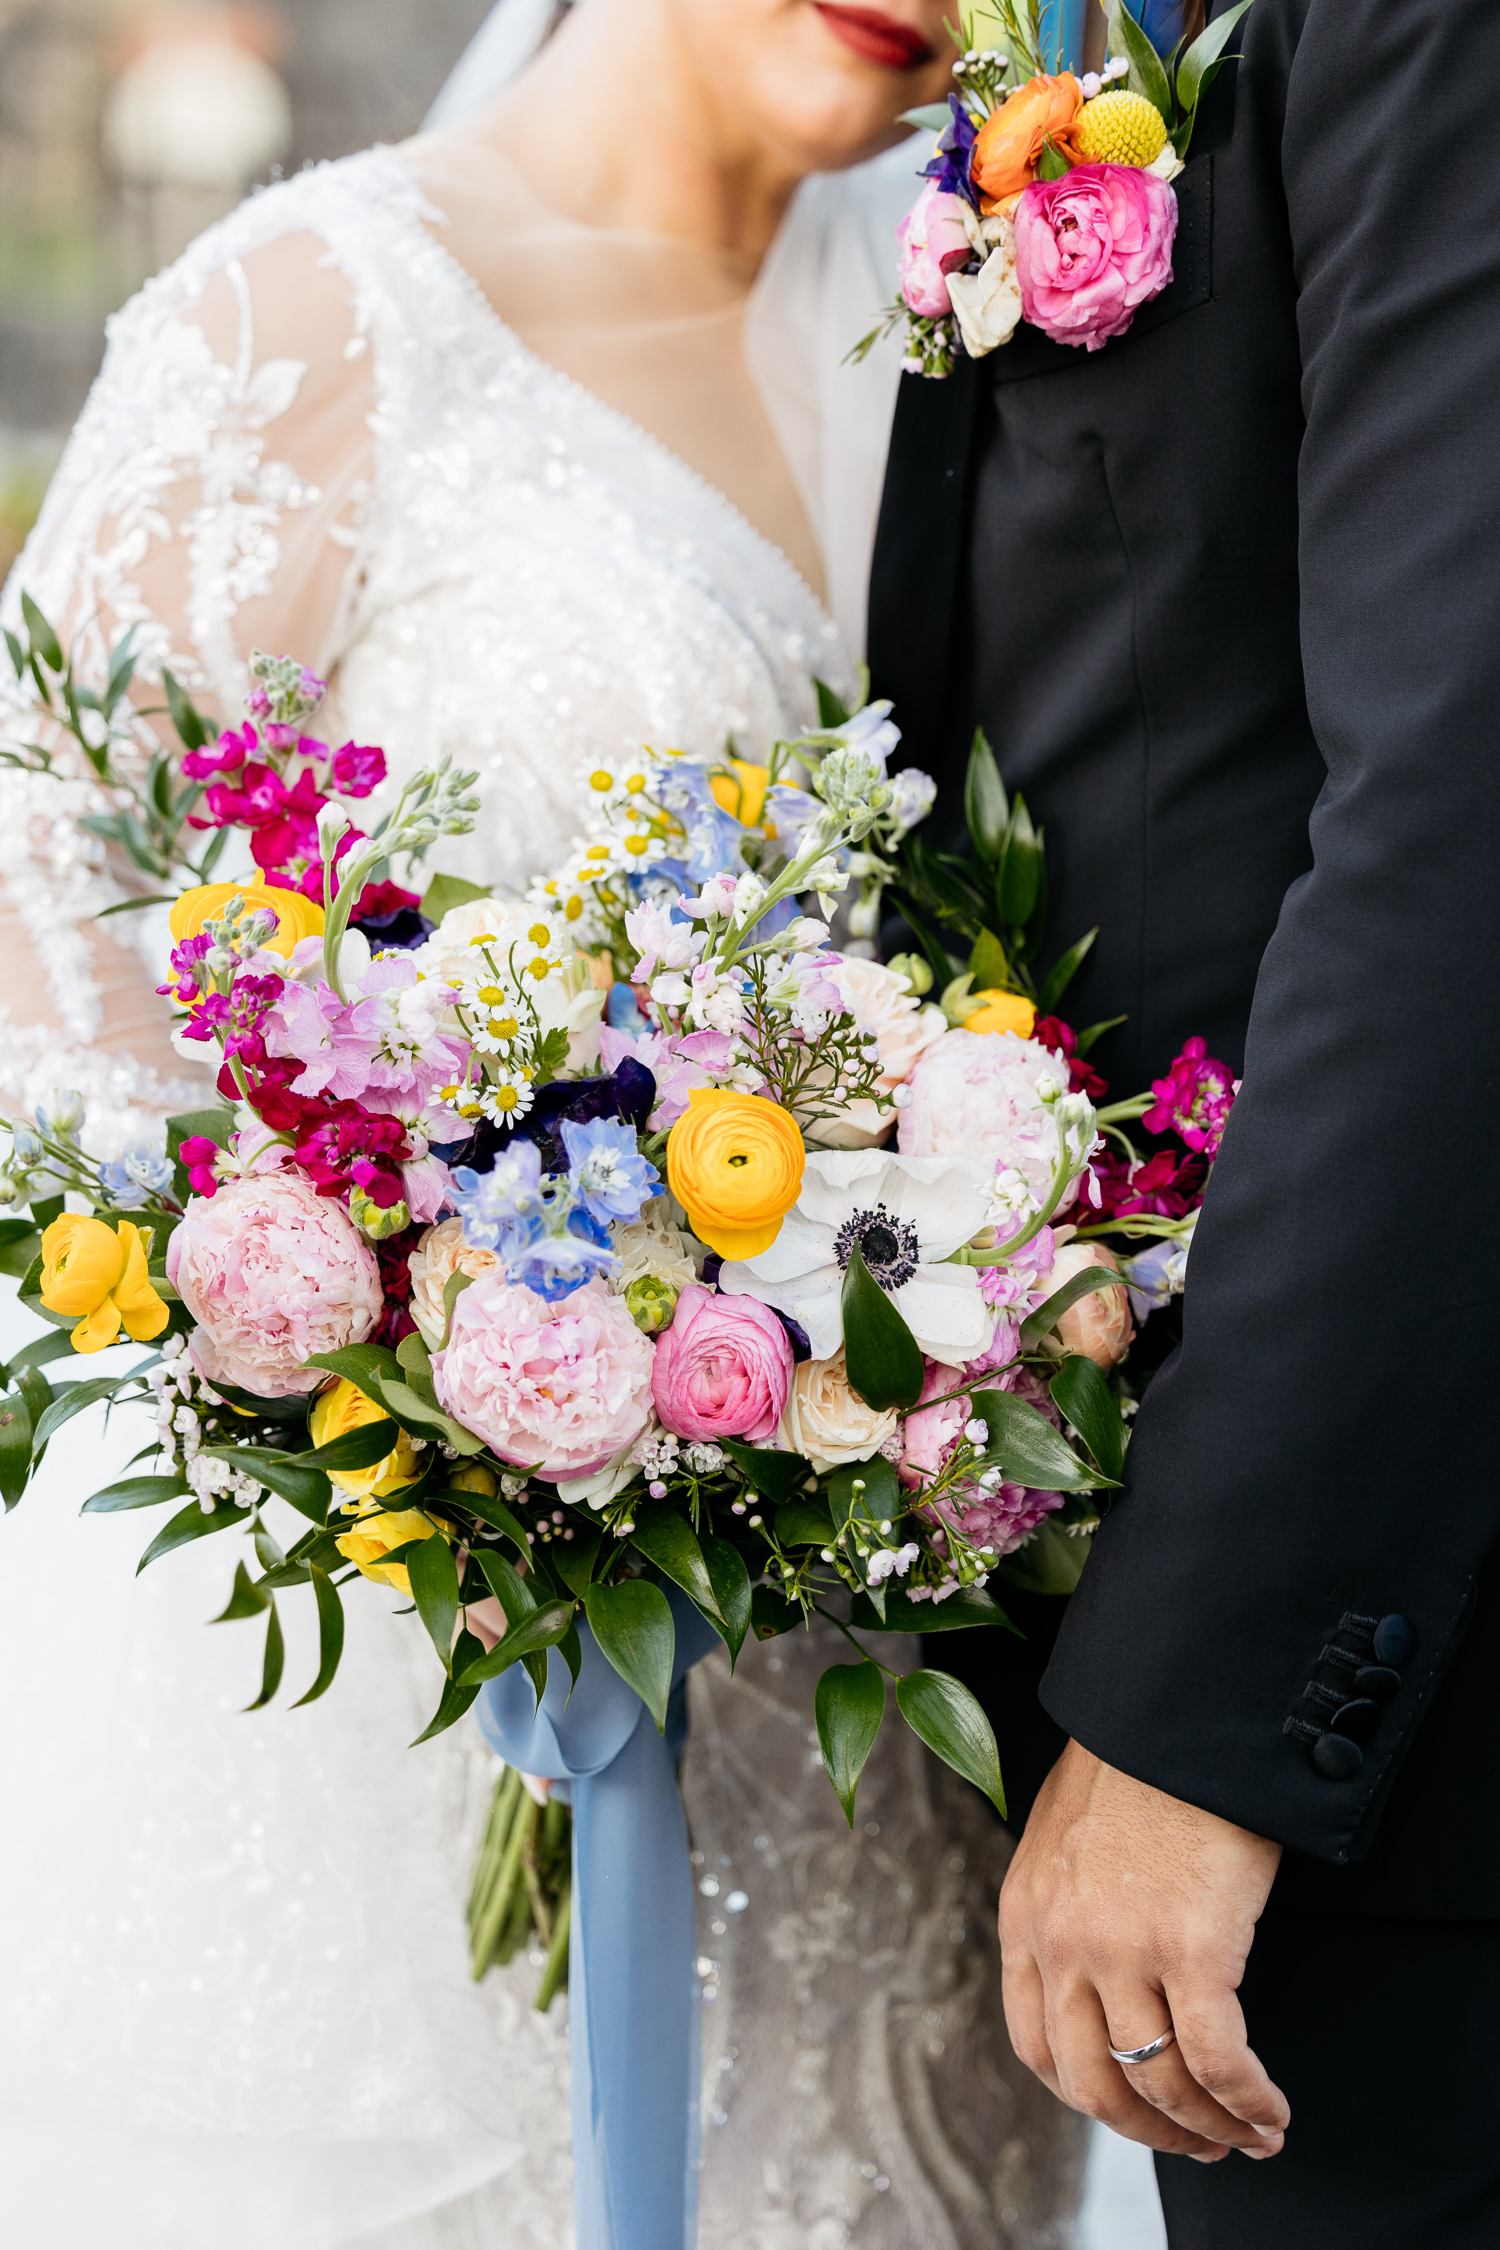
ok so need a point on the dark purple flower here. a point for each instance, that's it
(391, 918)
(630, 1094)
(950, 166)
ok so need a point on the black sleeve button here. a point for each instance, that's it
(1377, 1680)
(1358, 1720)
(1336, 1757)
(1395, 1638)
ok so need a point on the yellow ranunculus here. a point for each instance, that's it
(735, 1164)
(375, 1535)
(297, 917)
(1002, 1011)
(745, 796)
(91, 1271)
(341, 1409)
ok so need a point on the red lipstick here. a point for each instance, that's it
(879, 39)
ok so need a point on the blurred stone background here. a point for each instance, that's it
(125, 129)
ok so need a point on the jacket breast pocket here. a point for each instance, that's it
(1029, 353)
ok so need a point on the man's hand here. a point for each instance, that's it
(1125, 1911)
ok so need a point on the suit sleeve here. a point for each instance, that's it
(1312, 1489)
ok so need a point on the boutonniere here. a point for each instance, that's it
(1051, 203)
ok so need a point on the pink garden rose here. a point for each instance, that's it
(1091, 248)
(561, 1387)
(272, 1272)
(974, 1094)
(723, 1368)
(932, 242)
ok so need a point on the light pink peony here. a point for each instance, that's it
(932, 242)
(272, 1272)
(974, 1094)
(1092, 248)
(723, 1368)
(561, 1388)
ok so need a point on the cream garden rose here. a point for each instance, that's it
(441, 1253)
(881, 1000)
(828, 1423)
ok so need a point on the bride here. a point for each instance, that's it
(533, 437)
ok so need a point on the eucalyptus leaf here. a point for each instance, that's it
(849, 1704)
(1082, 1396)
(951, 1721)
(44, 642)
(330, 1633)
(881, 1356)
(732, 1598)
(632, 1623)
(192, 731)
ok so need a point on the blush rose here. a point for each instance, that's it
(932, 242)
(723, 1368)
(1091, 249)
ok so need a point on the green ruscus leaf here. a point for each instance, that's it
(849, 1705)
(633, 1625)
(951, 1722)
(330, 1632)
(881, 1355)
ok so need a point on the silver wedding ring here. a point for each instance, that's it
(1144, 2054)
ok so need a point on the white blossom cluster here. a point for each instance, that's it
(181, 1397)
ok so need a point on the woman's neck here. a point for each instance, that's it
(616, 120)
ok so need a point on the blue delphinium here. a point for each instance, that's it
(610, 1177)
(130, 1178)
(501, 1205)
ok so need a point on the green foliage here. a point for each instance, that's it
(776, 1476)
(969, 1606)
(1083, 1398)
(1088, 1283)
(632, 1623)
(881, 1355)
(445, 892)
(1024, 1444)
(667, 1539)
(732, 1594)
(951, 1722)
(1177, 85)
(434, 1589)
(135, 1492)
(849, 1705)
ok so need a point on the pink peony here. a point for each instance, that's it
(1194, 1099)
(561, 1388)
(1092, 248)
(723, 1368)
(932, 242)
(272, 1272)
(974, 1094)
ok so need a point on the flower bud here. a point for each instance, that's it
(375, 1221)
(61, 1115)
(650, 1302)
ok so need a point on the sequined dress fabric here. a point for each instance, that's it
(243, 1986)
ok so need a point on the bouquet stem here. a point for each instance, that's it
(521, 1884)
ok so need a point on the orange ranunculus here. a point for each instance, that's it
(1011, 138)
(90, 1270)
(745, 796)
(735, 1164)
(297, 917)
(1002, 1011)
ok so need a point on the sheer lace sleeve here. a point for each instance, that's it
(208, 498)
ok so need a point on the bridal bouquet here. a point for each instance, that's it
(542, 1255)
(1052, 202)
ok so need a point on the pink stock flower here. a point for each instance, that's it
(678, 1064)
(561, 1387)
(932, 242)
(723, 1368)
(227, 756)
(357, 769)
(1091, 248)
(272, 1272)
(382, 1047)
(1194, 1099)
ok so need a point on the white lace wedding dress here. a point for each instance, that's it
(236, 2005)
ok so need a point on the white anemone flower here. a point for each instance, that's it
(906, 1214)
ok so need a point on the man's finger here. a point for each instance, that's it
(1165, 2081)
(1215, 2047)
(1089, 2079)
(1025, 2014)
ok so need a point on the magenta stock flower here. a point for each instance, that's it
(1164, 1186)
(357, 769)
(1091, 249)
(1194, 1099)
(723, 1368)
(198, 1156)
(227, 756)
(272, 1272)
(932, 242)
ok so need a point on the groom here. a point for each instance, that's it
(1225, 596)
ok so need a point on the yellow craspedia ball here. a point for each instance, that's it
(1120, 128)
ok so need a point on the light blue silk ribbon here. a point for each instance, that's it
(632, 1992)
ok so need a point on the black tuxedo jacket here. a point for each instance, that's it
(1226, 597)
